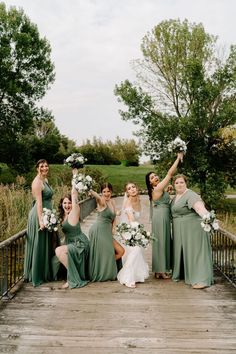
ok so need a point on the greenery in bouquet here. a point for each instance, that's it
(83, 183)
(133, 234)
(75, 160)
(209, 222)
(177, 145)
(50, 219)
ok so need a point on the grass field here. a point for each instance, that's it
(119, 175)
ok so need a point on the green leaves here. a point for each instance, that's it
(183, 88)
(26, 73)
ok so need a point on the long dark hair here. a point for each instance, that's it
(61, 211)
(148, 184)
(106, 185)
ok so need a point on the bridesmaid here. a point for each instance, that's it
(74, 254)
(39, 241)
(104, 250)
(191, 242)
(161, 220)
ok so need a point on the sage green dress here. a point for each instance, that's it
(78, 255)
(191, 242)
(102, 263)
(39, 244)
(162, 234)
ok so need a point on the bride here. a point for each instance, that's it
(134, 269)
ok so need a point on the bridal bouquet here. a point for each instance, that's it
(75, 160)
(133, 234)
(209, 222)
(82, 183)
(50, 219)
(177, 145)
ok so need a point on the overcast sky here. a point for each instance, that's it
(93, 43)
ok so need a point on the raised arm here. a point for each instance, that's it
(159, 189)
(74, 215)
(98, 198)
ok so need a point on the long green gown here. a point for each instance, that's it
(190, 242)
(39, 244)
(162, 234)
(78, 255)
(102, 263)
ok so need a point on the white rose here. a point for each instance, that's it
(79, 186)
(127, 235)
(134, 224)
(88, 178)
(53, 220)
(215, 225)
(207, 228)
(45, 220)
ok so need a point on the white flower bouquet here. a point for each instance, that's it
(75, 160)
(50, 219)
(209, 222)
(133, 234)
(82, 183)
(177, 145)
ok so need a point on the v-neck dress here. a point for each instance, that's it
(191, 242)
(102, 263)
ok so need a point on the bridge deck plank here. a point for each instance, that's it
(159, 316)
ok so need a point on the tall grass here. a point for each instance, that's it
(16, 199)
(15, 204)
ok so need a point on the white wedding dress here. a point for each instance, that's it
(135, 269)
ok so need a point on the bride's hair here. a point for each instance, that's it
(126, 196)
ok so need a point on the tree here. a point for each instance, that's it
(126, 150)
(185, 89)
(26, 73)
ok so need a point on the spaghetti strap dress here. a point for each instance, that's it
(78, 255)
(161, 230)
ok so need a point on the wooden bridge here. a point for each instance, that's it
(159, 316)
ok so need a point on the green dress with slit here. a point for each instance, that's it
(191, 243)
(162, 234)
(78, 255)
(39, 244)
(102, 263)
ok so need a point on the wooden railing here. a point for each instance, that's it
(12, 254)
(224, 253)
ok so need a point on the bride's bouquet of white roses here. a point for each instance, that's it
(75, 160)
(82, 183)
(133, 234)
(209, 222)
(177, 145)
(50, 219)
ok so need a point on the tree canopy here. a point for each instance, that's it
(185, 88)
(26, 72)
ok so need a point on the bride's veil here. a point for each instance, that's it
(123, 217)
